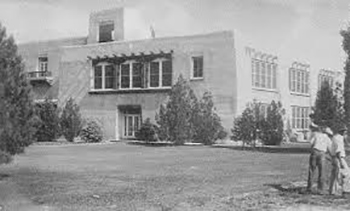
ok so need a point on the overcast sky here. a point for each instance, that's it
(306, 30)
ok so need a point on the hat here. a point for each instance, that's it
(313, 126)
(328, 131)
(341, 128)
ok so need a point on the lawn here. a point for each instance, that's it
(130, 177)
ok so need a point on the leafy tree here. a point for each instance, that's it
(254, 124)
(17, 117)
(246, 126)
(48, 128)
(207, 124)
(70, 120)
(175, 118)
(327, 111)
(346, 46)
(273, 124)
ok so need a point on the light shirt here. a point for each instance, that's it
(320, 141)
(338, 145)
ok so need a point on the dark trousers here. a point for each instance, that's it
(317, 159)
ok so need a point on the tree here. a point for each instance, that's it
(273, 126)
(255, 123)
(244, 126)
(70, 120)
(175, 117)
(207, 124)
(17, 116)
(327, 111)
(346, 46)
(48, 128)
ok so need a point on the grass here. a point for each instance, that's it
(132, 177)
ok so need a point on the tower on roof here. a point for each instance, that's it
(106, 26)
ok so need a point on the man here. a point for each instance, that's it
(338, 160)
(320, 145)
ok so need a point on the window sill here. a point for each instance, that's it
(197, 79)
(300, 94)
(265, 89)
(131, 91)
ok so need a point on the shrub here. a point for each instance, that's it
(175, 117)
(5, 157)
(48, 127)
(272, 131)
(91, 132)
(147, 132)
(71, 121)
(253, 124)
(207, 124)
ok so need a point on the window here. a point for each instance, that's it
(263, 109)
(43, 62)
(160, 74)
(322, 77)
(131, 75)
(104, 76)
(197, 67)
(264, 74)
(300, 117)
(299, 80)
(106, 32)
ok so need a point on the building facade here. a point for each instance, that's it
(121, 83)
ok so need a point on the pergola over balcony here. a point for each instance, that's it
(133, 72)
(37, 77)
(139, 57)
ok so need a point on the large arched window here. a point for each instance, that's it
(104, 76)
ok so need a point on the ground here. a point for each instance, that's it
(130, 177)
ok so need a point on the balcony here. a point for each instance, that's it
(38, 77)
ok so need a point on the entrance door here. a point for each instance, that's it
(131, 125)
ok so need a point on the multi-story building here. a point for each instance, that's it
(120, 83)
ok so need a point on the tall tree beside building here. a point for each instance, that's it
(16, 108)
(346, 46)
(326, 110)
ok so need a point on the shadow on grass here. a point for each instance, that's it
(4, 176)
(272, 149)
(281, 188)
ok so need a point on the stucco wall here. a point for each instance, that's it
(30, 53)
(219, 74)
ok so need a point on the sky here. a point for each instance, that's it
(303, 30)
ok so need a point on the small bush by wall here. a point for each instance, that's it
(91, 132)
(148, 132)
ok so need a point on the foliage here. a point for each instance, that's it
(207, 124)
(48, 128)
(175, 119)
(17, 116)
(328, 110)
(91, 132)
(346, 47)
(245, 126)
(147, 132)
(273, 125)
(70, 120)
(253, 124)
(184, 118)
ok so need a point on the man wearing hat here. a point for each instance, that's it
(320, 145)
(338, 159)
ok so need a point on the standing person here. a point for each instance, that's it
(338, 161)
(320, 144)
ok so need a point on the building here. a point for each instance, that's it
(120, 83)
